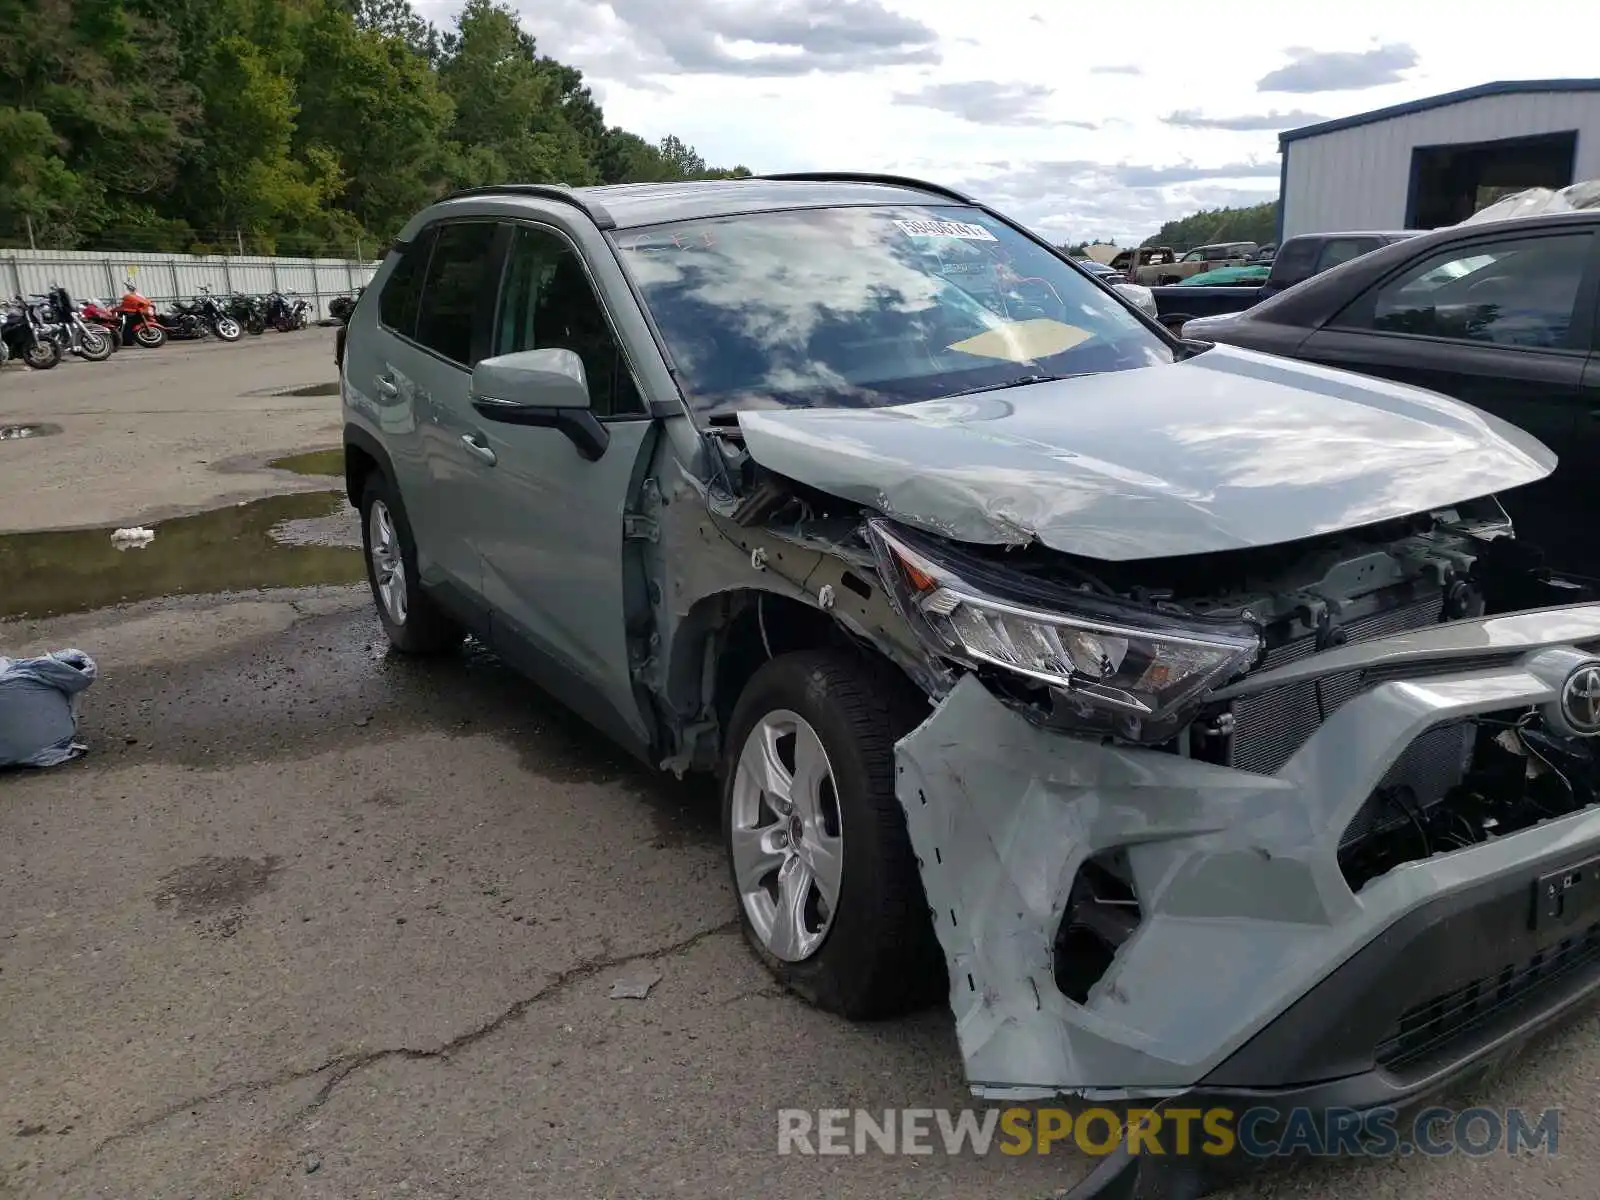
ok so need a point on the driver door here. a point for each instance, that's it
(549, 520)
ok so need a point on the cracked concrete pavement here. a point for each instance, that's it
(314, 921)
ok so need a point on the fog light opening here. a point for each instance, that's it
(1102, 914)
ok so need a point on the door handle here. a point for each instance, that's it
(387, 386)
(477, 449)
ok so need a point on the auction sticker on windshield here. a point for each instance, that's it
(948, 229)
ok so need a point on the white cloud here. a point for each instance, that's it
(813, 84)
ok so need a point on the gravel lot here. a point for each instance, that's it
(309, 921)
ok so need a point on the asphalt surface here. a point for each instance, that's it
(150, 434)
(311, 920)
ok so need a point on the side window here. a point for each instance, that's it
(1194, 256)
(1296, 261)
(548, 303)
(397, 303)
(1342, 250)
(1516, 292)
(453, 295)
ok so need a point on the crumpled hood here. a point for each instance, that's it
(1226, 450)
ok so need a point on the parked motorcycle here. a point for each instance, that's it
(25, 329)
(249, 311)
(201, 317)
(286, 313)
(137, 319)
(340, 307)
(104, 319)
(71, 331)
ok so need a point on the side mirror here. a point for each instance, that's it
(544, 389)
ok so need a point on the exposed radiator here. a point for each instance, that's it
(1270, 726)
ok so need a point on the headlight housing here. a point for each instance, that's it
(1113, 666)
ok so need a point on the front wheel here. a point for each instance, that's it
(829, 893)
(94, 345)
(150, 337)
(255, 326)
(43, 354)
(228, 329)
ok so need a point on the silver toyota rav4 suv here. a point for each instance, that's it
(1191, 715)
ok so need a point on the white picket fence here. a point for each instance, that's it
(100, 274)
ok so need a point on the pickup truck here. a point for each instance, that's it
(1297, 260)
(1129, 261)
(1201, 258)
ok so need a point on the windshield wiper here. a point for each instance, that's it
(1019, 381)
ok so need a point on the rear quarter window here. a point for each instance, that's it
(402, 291)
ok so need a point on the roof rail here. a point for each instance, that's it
(546, 191)
(904, 181)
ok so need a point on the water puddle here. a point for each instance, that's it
(314, 462)
(229, 549)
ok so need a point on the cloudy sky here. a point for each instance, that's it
(1084, 120)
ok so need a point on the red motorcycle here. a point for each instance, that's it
(103, 318)
(137, 321)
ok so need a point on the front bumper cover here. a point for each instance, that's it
(1246, 917)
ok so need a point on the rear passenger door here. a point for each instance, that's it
(1505, 323)
(380, 377)
(452, 334)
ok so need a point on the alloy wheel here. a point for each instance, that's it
(787, 836)
(388, 564)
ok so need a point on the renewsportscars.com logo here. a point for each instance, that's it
(1216, 1132)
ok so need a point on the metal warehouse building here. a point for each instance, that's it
(1437, 161)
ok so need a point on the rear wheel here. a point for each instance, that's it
(829, 893)
(413, 623)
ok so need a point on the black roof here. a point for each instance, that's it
(1509, 87)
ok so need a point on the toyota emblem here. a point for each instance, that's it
(1580, 700)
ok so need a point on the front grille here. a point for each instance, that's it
(1427, 769)
(1436, 1023)
(1269, 726)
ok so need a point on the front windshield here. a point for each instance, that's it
(865, 307)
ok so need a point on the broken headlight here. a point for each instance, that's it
(1147, 669)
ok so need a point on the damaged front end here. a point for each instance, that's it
(1101, 820)
(1260, 824)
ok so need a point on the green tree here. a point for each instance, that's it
(1256, 223)
(509, 122)
(294, 125)
(372, 102)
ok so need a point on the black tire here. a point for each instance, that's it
(150, 337)
(95, 346)
(43, 354)
(426, 628)
(880, 957)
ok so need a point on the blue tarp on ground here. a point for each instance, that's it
(39, 700)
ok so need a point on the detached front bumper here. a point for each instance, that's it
(1255, 974)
